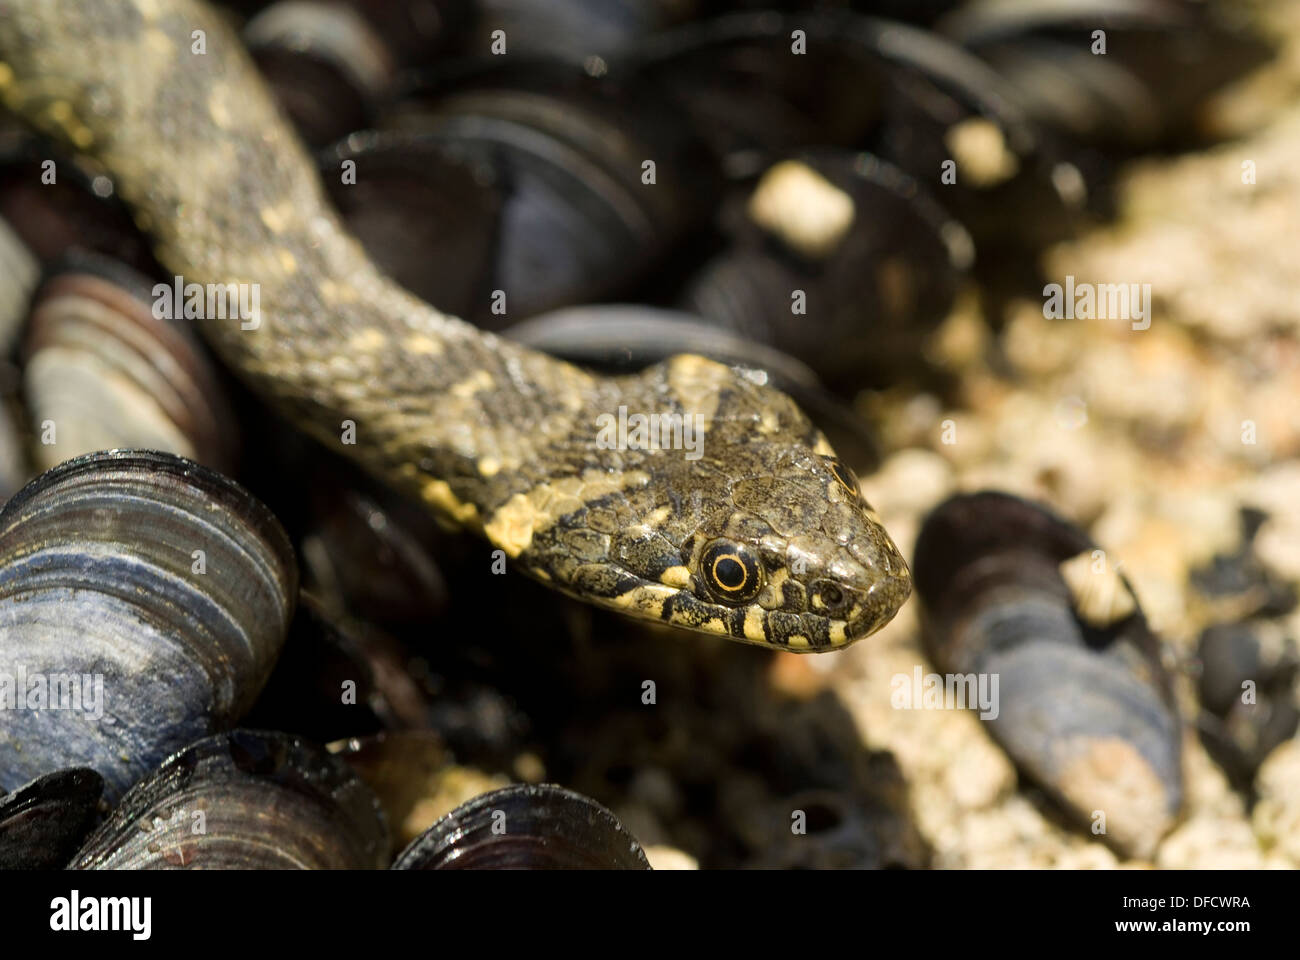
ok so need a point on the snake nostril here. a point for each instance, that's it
(832, 597)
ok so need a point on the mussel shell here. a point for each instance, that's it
(267, 801)
(1125, 97)
(576, 223)
(1239, 731)
(869, 302)
(525, 827)
(423, 210)
(44, 822)
(99, 579)
(1084, 704)
(325, 63)
(893, 89)
(739, 85)
(108, 373)
(21, 272)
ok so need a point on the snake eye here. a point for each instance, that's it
(846, 477)
(731, 572)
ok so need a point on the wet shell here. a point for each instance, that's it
(43, 823)
(1083, 705)
(244, 800)
(525, 827)
(102, 371)
(160, 587)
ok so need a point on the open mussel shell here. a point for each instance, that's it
(44, 822)
(103, 371)
(855, 295)
(1248, 693)
(741, 87)
(563, 161)
(1123, 97)
(526, 827)
(330, 63)
(755, 94)
(423, 210)
(624, 338)
(1013, 594)
(143, 602)
(325, 63)
(244, 800)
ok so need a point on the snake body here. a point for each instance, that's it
(763, 537)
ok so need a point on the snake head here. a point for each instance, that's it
(799, 560)
(763, 536)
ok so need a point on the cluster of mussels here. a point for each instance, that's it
(803, 190)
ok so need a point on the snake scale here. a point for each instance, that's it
(762, 537)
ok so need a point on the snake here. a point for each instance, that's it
(729, 514)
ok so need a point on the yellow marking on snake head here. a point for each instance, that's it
(823, 447)
(515, 523)
(754, 625)
(797, 641)
(649, 597)
(489, 466)
(772, 594)
(512, 526)
(698, 384)
(439, 494)
(658, 516)
(676, 577)
(836, 634)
